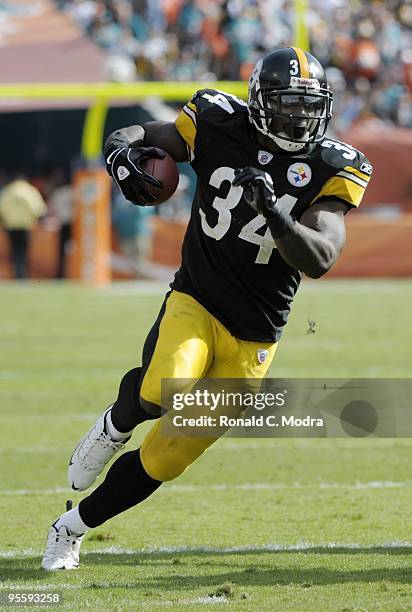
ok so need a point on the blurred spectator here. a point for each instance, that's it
(60, 205)
(21, 205)
(221, 39)
(132, 225)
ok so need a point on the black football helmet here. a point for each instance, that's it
(289, 98)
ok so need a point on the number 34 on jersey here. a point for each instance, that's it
(224, 206)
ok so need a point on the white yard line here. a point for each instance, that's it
(22, 492)
(141, 287)
(247, 486)
(36, 449)
(49, 419)
(207, 600)
(275, 486)
(38, 588)
(157, 286)
(218, 550)
(225, 444)
(233, 444)
(356, 287)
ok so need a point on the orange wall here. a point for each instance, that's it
(373, 248)
(389, 149)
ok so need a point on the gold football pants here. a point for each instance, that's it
(190, 343)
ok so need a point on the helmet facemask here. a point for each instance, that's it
(291, 117)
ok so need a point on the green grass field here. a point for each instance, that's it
(298, 524)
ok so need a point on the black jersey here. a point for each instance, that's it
(230, 263)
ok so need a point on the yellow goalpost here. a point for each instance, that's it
(100, 94)
(92, 187)
(301, 33)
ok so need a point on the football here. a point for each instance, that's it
(164, 170)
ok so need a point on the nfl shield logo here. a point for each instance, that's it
(264, 157)
(122, 173)
(262, 355)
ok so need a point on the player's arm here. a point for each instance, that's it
(311, 245)
(159, 134)
(126, 149)
(315, 242)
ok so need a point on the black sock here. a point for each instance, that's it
(126, 484)
(126, 411)
(124, 419)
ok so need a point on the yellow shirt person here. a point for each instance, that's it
(21, 205)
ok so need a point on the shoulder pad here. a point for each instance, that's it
(340, 155)
(207, 106)
(205, 99)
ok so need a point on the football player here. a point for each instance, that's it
(272, 194)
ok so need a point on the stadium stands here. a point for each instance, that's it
(367, 45)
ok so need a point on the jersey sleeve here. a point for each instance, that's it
(189, 119)
(186, 124)
(350, 180)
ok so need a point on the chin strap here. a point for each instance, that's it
(282, 143)
(289, 145)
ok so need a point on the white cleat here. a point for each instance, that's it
(91, 455)
(62, 549)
